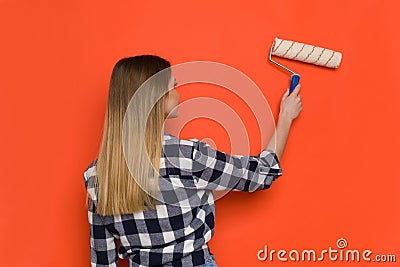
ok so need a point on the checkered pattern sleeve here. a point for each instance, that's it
(215, 170)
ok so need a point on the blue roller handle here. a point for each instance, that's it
(294, 82)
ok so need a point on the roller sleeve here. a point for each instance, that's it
(306, 53)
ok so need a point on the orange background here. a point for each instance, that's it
(340, 167)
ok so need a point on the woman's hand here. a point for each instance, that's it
(291, 104)
(289, 110)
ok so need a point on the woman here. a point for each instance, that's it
(122, 205)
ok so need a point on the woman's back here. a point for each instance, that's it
(177, 232)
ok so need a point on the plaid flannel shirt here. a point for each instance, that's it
(177, 232)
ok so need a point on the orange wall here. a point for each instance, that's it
(341, 176)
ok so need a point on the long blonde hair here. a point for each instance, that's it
(123, 184)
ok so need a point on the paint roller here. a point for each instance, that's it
(305, 53)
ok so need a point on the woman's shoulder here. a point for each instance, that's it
(90, 170)
(178, 147)
(170, 139)
(89, 179)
